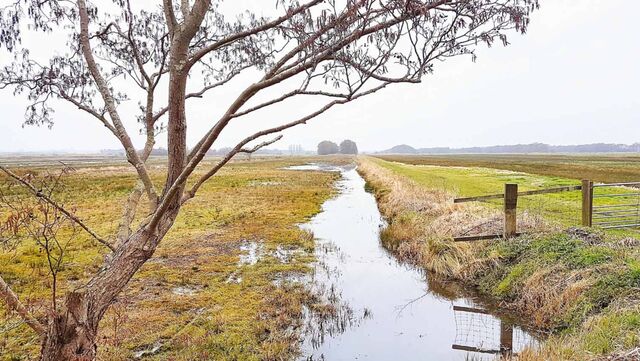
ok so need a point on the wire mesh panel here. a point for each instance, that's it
(616, 205)
(477, 329)
(480, 332)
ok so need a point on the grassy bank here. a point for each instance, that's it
(216, 287)
(580, 285)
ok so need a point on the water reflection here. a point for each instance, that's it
(481, 329)
(387, 310)
(475, 332)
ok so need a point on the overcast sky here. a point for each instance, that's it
(572, 79)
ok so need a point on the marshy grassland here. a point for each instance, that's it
(581, 286)
(216, 287)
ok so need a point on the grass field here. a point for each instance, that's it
(222, 284)
(214, 289)
(610, 168)
(563, 208)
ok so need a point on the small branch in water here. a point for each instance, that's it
(410, 303)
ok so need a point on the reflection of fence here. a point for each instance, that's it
(478, 331)
(604, 213)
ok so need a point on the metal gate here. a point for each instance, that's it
(616, 205)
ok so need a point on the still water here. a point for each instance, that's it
(392, 313)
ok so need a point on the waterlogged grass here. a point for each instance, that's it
(195, 299)
(582, 285)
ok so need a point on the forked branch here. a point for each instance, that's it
(110, 103)
(239, 147)
(199, 54)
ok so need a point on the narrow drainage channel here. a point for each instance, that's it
(392, 314)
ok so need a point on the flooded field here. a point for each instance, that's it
(386, 309)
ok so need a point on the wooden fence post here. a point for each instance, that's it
(587, 203)
(510, 206)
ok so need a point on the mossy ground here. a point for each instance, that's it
(581, 285)
(193, 300)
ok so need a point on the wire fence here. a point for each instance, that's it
(480, 332)
(612, 210)
(606, 206)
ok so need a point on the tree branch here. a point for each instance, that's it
(237, 149)
(211, 136)
(37, 193)
(257, 147)
(195, 57)
(184, 8)
(285, 97)
(200, 93)
(103, 88)
(170, 16)
(89, 110)
(14, 304)
(194, 189)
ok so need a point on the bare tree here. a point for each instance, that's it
(331, 50)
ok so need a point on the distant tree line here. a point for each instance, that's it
(519, 149)
(347, 146)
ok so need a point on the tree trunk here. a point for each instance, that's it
(71, 334)
(177, 124)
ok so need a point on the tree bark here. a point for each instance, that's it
(71, 332)
(70, 336)
(177, 125)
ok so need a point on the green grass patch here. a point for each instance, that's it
(564, 208)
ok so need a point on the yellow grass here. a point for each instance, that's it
(187, 299)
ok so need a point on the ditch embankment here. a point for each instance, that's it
(384, 309)
(579, 285)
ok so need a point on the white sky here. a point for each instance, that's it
(572, 79)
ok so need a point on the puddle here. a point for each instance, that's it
(234, 278)
(264, 183)
(252, 252)
(390, 313)
(286, 255)
(316, 167)
(185, 291)
(290, 278)
(149, 351)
